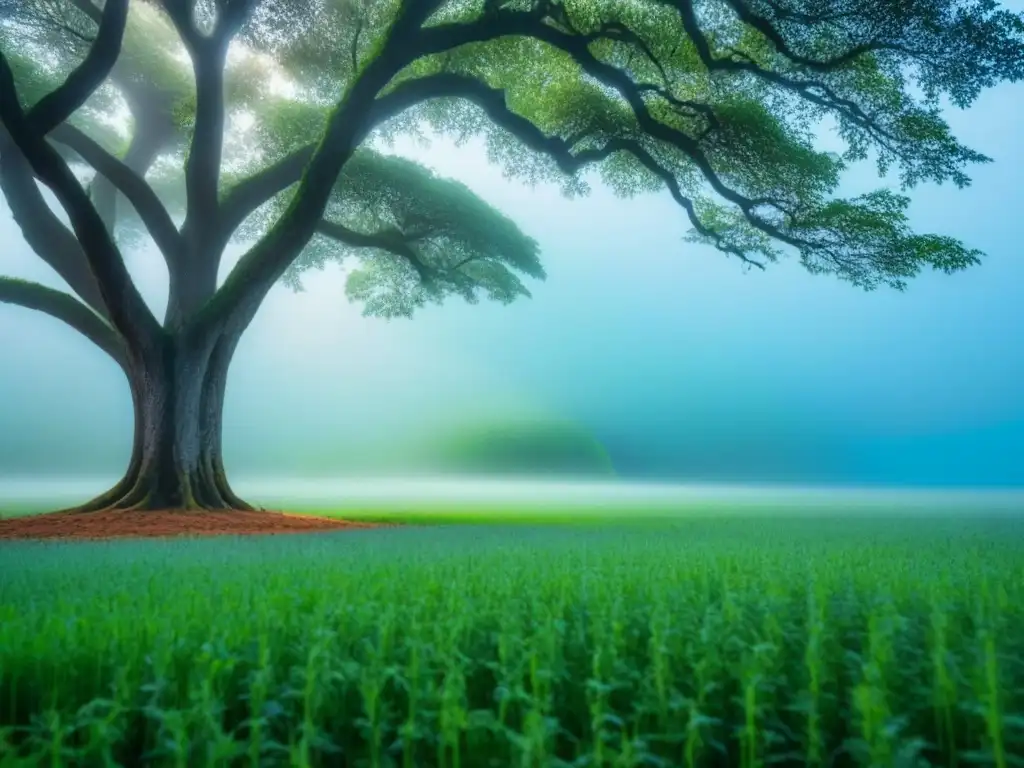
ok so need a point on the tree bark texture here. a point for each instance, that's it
(176, 462)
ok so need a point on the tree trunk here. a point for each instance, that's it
(176, 460)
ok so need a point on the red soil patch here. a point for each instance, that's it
(165, 523)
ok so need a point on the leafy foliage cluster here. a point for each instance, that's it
(699, 642)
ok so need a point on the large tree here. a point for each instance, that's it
(198, 123)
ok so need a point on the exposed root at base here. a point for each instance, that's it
(207, 491)
(117, 524)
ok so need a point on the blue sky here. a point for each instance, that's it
(679, 360)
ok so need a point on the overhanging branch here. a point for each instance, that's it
(66, 308)
(814, 91)
(763, 25)
(531, 24)
(492, 102)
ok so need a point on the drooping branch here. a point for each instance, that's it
(129, 183)
(57, 106)
(66, 308)
(126, 307)
(815, 91)
(492, 101)
(876, 31)
(530, 24)
(782, 214)
(246, 196)
(763, 25)
(357, 114)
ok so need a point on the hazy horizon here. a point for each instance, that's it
(476, 492)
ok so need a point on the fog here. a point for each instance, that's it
(680, 363)
(621, 498)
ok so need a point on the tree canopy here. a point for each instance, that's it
(717, 101)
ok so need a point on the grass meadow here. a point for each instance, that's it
(541, 637)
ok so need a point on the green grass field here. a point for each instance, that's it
(703, 638)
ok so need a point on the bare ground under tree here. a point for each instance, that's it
(111, 524)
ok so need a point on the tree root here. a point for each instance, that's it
(205, 491)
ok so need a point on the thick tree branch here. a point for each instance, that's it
(127, 310)
(180, 13)
(249, 194)
(194, 280)
(66, 308)
(42, 230)
(154, 131)
(231, 14)
(263, 265)
(57, 106)
(104, 195)
(267, 261)
(133, 186)
(205, 155)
